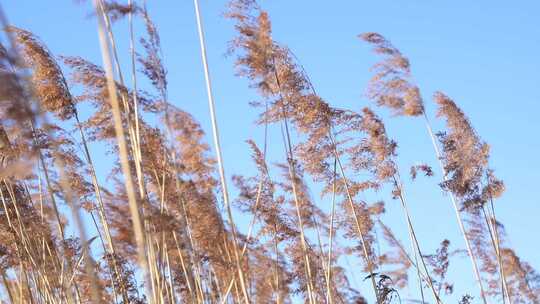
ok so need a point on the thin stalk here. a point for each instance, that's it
(276, 267)
(349, 197)
(367, 258)
(255, 208)
(134, 81)
(195, 261)
(420, 285)
(189, 282)
(404, 251)
(101, 206)
(329, 297)
(494, 242)
(414, 240)
(104, 246)
(456, 209)
(122, 145)
(497, 243)
(292, 175)
(89, 262)
(319, 242)
(285, 134)
(491, 222)
(217, 147)
(249, 233)
(169, 277)
(131, 131)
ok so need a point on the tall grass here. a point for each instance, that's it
(163, 236)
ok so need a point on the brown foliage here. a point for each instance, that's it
(391, 86)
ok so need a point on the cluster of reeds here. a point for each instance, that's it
(157, 231)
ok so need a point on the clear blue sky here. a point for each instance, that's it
(484, 54)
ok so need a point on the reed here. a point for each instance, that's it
(155, 230)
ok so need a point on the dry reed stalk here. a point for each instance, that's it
(123, 151)
(255, 213)
(456, 210)
(292, 175)
(184, 269)
(101, 208)
(493, 189)
(89, 263)
(133, 135)
(217, 147)
(495, 243)
(137, 136)
(499, 254)
(415, 245)
(329, 297)
(358, 225)
(290, 162)
(21, 233)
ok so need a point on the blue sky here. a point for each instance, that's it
(483, 54)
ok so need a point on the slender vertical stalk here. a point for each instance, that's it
(217, 147)
(329, 297)
(134, 73)
(135, 148)
(137, 135)
(292, 175)
(123, 149)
